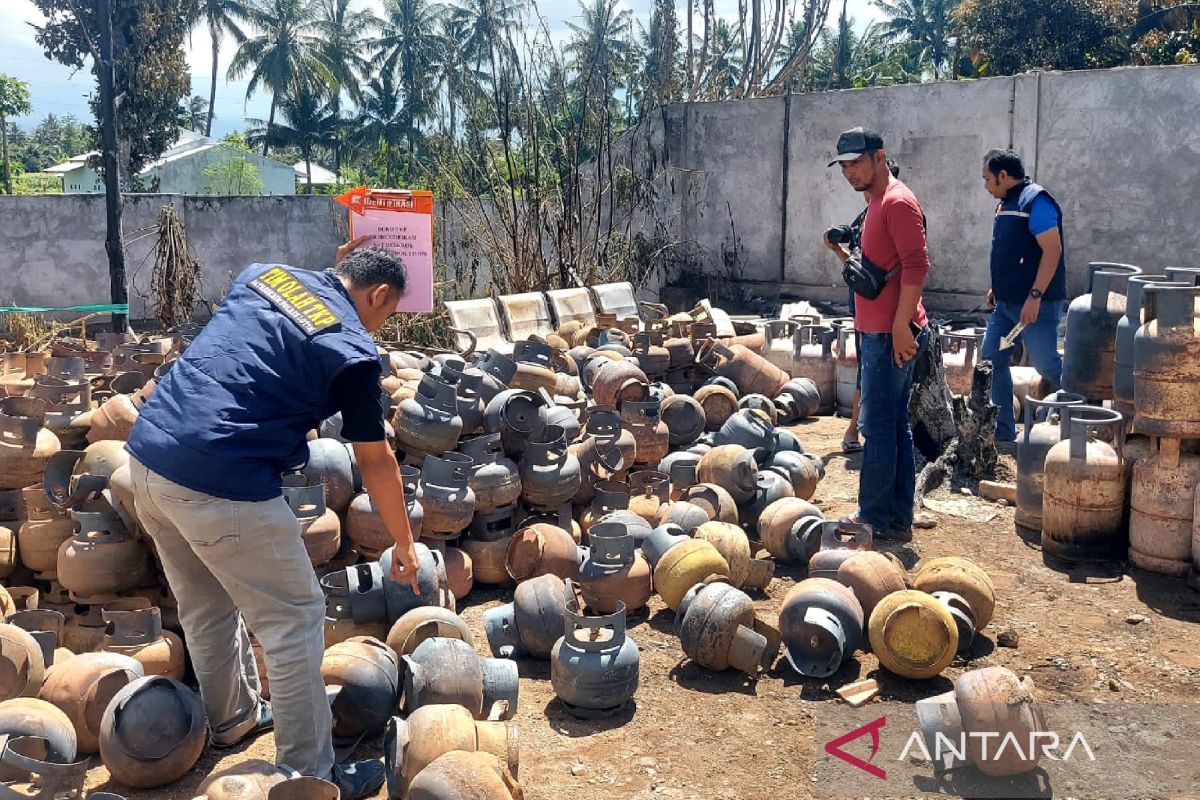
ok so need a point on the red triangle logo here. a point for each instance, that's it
(834, 748)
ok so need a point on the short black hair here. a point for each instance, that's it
(893, 167)
(1006, 160)
(369, 266)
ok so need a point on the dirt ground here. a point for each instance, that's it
(1123, 634)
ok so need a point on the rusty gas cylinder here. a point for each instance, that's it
(718, 630)
(752, 373)
(494, 477)
(139, 634)
(734, 546)
(460, 572)
(1042, 430)
(732, 467)
(448, 671)
(152, 732)
(459, 774)
(487, 558)
(614, 572)
(913, 634)
(446, 496)
(1161, 509)
(616, 381)
(26, 445)
(22, 663)
(685, 419)
(361, 677)
(1127, 328)
(871, 576)
(790, 530)
(410, 745)
(652, 356)
(840, 541)
(534, 366)
(812, 358)
(648, 491)
(1083, 505)
(1092, 320)
(714, 500)
(43, 532)
(821, 622)
(102, 559)
(650, 432)
(993, 700)
(718, 403)
(249, 780)
(365, 527)
(424, 623)
(542, 549)
(846, 368)
(960, 351)
(1166, 364)
(320, 527)
(82, 688)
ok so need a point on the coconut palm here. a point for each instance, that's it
(345, 35)
(285, 53)
(600, 50)
(926, 27)
(484, 26)
(411, 48)
(383, 123)
(308, 123)
(221, 17)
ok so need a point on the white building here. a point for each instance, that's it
(181, 169)
(320, 175)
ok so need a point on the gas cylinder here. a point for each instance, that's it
(534, 366)
(449, 671)
(365, 527)
(777, 349)
(614, 574)
(152, 732)
(734, 546)
(45, 529)
(644, 421)
(429, 422)
(542, 549)
(29, 716)
(139, 634)
(460, 572)
(1091, 341)
(498, 371)
(410, 745)
(487, 545)
(398, 597)
(649, 490)
(446, 496)
(329, 464)
(102, 559)
(748, 429)
(82, 688)
(732, 467)
(531, 623)
(1042, 430)
(249, 780)
(846, 369)
(660, 540)
(22, 663)
(1126, 329)
(652, 356)
(718, 404)
(1161, 508)
(771, 487)
(912, 634)
(25, 444)
(1166, 360)
(684, 417)
(717, 503)
(752, 373)
(550, 474)
(798, 400)
(993, 700)
(681, 468)
(790, 530)
(361, 677)
(515, 415)
(871, 576)
(803, 470)
(840, 541)
(685, 564)
(960, 351)
(812, 358)
(615, 381)
(594, 667)
(424, 623)
(494, 477)
(718, 630)
(821, 622)
(458, 775)
(1084, 502)
(962, 577)
(320, 527)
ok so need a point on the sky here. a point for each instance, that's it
(56, 90)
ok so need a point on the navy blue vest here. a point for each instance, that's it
(233, 411)
(1016, 253)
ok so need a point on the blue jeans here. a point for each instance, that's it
(1041, 342)
(887, 481)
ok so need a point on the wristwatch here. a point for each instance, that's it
(1035, 293)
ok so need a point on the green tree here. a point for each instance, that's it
(345, 34)
(599, 51)
(1011, 36)
(1167, 32)
(236, 175)
(221, 17)
(195, 113)
(14, 101)
(847, 59)
(382, 122)
(308, 124)
(660, 82)
(284, 53)
(925, 28)
(412, 49)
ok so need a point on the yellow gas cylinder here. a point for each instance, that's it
(912, 634)
(685, 565)
(962, 577)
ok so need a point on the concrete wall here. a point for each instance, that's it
(1120, 149)
(52, 246)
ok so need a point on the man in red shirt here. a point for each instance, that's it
(894, 331)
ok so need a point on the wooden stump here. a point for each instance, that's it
(956, 435)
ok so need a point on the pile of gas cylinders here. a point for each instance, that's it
(1108, 467)
(588, 471)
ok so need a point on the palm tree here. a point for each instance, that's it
(309, 123)
(382, 121)
(599, 50)
(844, 59)
(484, 26)
(221, 17)
(284, 55)
(925, 26)
(344, 36)
(411, 49)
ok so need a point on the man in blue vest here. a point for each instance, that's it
(287, 348)
(1029, 279)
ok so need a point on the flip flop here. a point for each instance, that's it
(852, 447)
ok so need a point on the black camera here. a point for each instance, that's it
(840, 234)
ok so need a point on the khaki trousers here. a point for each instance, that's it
(227, 560)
